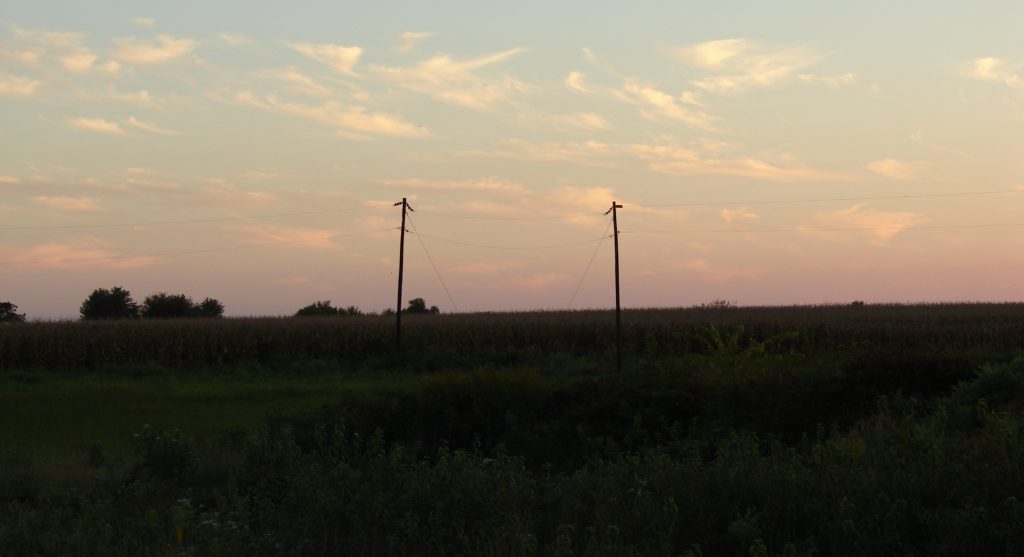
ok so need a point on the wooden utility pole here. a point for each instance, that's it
(401, 268)
(618, 305)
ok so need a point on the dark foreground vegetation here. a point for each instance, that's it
(872, 430)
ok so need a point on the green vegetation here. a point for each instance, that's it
(172, 306)
(115, 303)
(854, 430)
(325, 308)
(9, 313)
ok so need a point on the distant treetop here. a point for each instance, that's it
(9, 313)
(418, 305)
(116, 303)
(325, 308)
(168, 306)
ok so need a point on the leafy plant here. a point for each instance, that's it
(9, 313)
(115, 303)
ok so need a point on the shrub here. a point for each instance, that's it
(116, 303)
(9, 313)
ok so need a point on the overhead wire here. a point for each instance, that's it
(589, 263)
(499, 218)
(486, 246)
(828, 199)
(431, 260)
(820, 229)
(488, 217)
(184, 221)
(190, 252)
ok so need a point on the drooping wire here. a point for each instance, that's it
(589, 263)
(826, 199)
(190, 252)
(552, 246)
(185, 221)
(431, 260)
(835, 229)
(483, 217)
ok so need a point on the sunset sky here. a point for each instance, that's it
(764, 152)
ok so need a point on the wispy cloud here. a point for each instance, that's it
(833, 81)
(996, 69)
(310, 238)
(79, 61)
(84, 253)
(589, 121)
(164, 49)
(57, 40)
(15, 86)
(146, 22)
(301, 84)
(659, 106)
(9, 180)
(487, 267)
(141, 98)
(574, 82)
(489, 185)
(410, 39)
(234, 39)
(23, 56)
(665, 156)
(97, 125)
(334, 114)
(456, 82)
(710, 272)
(739, 65)
(341, 58)
(68, 203)
(731, 216)
(880, 225)
(896, 169)
(146, 126)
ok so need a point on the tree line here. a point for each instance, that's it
(117, 303)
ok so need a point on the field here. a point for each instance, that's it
(833, 430)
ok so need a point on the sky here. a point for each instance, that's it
(765, 153)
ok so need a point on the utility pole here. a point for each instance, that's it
(401, 267)
(618, 305)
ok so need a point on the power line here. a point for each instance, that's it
(837, 229)
(431, 259)
(186, 221)
(190, 252)
(553, 246)
(826, 199)
(589, 263)
(482, 217)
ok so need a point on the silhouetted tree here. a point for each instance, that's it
(209, 307)
(9, 313)
(116, 303)
(167, 306)
(325, 308)
(317, 308)
(418, 305)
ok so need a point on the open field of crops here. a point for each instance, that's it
(854, 430)
(450, 341)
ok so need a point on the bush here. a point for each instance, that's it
(170, 306)
(417, 305)
(167, 306)
(116, 303)
(9, 313)
(325, 308)
(209, 307)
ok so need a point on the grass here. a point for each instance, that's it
(55, 419)
(887, 430)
